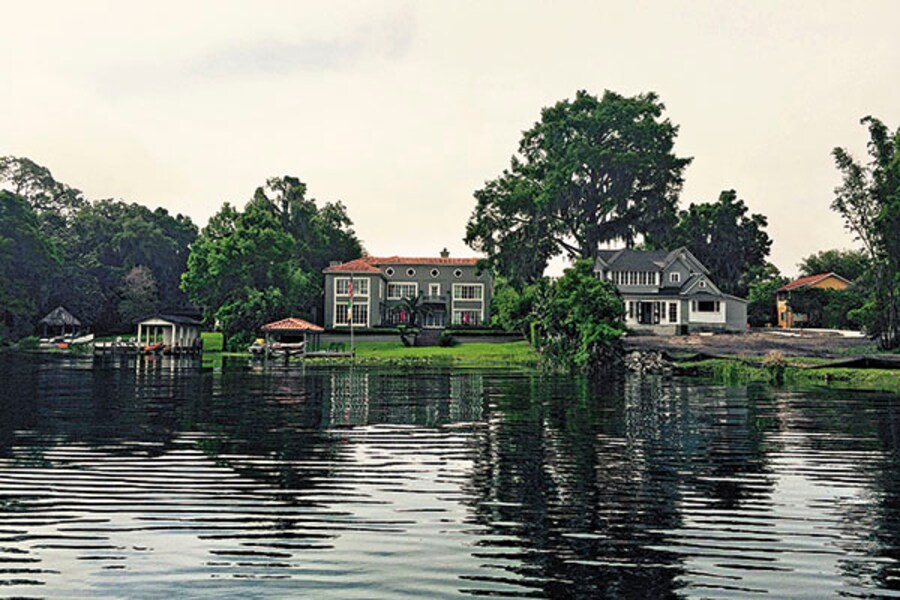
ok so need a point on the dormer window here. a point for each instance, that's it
(675, 277)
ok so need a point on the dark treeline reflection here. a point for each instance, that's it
(533, 485)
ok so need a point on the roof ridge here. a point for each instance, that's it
(810, 280)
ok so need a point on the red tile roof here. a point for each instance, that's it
(808, 281)
(291, 324)
(365, 264)
(359, 265)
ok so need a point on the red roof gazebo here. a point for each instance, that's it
(292, 332)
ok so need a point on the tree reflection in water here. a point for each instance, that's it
(523, 484)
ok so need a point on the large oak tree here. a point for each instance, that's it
(590, 171)
(729, 240)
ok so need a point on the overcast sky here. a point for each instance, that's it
(402, 109)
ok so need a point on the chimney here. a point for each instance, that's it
(445, 253)
(333, 263)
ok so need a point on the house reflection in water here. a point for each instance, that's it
(358, 397)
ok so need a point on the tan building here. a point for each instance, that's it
(787, 319)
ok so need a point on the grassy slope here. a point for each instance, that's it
(519, 354)
(736, 372)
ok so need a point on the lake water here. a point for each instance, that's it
(171, 478)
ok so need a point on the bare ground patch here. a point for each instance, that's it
(754, 344)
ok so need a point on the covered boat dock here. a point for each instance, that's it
(289, 337)
(172, 334)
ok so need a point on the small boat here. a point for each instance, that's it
(156, 348)
(84, 339)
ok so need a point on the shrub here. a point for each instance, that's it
(31, 342)
(446, 339)
(580, 320)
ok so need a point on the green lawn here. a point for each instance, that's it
(213, 341)
(519, 354)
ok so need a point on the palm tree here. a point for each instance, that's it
(415, 308)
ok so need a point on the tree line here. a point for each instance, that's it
(591, 172)
(112, 263)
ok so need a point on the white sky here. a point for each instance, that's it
(403, 109)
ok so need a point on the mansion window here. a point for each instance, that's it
(467, 317)
(360, 286)
(398, 291)
(635, 277)
(468, 291)
(675, 277)
(360, 314)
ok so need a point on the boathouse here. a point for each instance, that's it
(292, 333)
(173, 331)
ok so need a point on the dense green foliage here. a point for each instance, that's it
(731, 243)
(849, 264)
(106, 241)
(761, 308)
(869, 201)
(265, 262)
(590, 171)
(27, 261)
(140, 295)
(512, 310)
(53, 200)
(832, 309)
(580, 319)
(112, 262)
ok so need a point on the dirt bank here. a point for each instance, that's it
(755, 344)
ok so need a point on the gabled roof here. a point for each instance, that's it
(369, 264)
(633, 260)
(683, 251)
(810, 281)
(180, 320)
(60, 316)
(291, 324)
(693, 283)
(174, 319)
(359, 265)
(644, 260)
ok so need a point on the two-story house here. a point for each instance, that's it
(455, 293)
(669, 292)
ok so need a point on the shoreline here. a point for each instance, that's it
(690, 360)
(737, 371)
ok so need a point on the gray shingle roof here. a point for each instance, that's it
(634, 260)
(59, 316)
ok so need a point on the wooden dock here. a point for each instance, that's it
(329, 354)
(130, 347)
